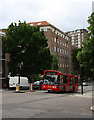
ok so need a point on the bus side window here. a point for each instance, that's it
(73, 80)
(65, 79)
(60, 78)
(76, 80)
(70, 79)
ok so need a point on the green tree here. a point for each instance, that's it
(86, 56)
(54, 64)
(76, 65)
(28, 49)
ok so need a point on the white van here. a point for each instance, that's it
(14, 80)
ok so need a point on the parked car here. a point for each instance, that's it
(85, 84)
(37, 85)
(45, 81)
(14, 80)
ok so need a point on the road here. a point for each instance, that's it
(41, 104)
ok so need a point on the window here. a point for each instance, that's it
(66, 37)
(63, 51)
(57, 41)
(60, 50)
(67, 44)
(65, 65)
(55, 32)
(52, 79)
(55, 48)
(39, 23)
(61, 79)
(60, 65)
(45, 29)
(31, 24)
(52, 30)
(70, 80)
(65, 79)
(67, 52)
(75, 80)
(63, 36)
(63, 42)
(60, 42)
(82, 37)
(54, 39)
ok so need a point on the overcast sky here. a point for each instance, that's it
(64, 14)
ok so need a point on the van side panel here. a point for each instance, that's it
(24, 82)
(14, 80)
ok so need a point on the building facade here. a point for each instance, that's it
(4, 58)
(59, 44)
(77, 37)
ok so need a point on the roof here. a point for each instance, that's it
(77, 30)
(44, 23)
(40, 23)
(2, 30)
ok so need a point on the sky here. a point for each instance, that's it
(66, 15)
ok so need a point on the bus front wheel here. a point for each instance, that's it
(49, 91)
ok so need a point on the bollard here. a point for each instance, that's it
(17, 87)
(31, 87)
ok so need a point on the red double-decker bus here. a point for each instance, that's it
(57, 81)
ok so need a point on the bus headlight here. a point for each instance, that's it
(54, 86)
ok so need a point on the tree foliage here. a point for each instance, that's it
(76, 65)
(86, 56)
(54, 64)
(28, 49)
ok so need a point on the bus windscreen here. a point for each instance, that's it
(52, 79)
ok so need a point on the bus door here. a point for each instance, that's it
(70, 83)
(61, 82)
(75, 83)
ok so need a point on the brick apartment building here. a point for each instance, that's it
(77, 37)
(59, 44)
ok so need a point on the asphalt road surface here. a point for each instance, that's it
(41, 104)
